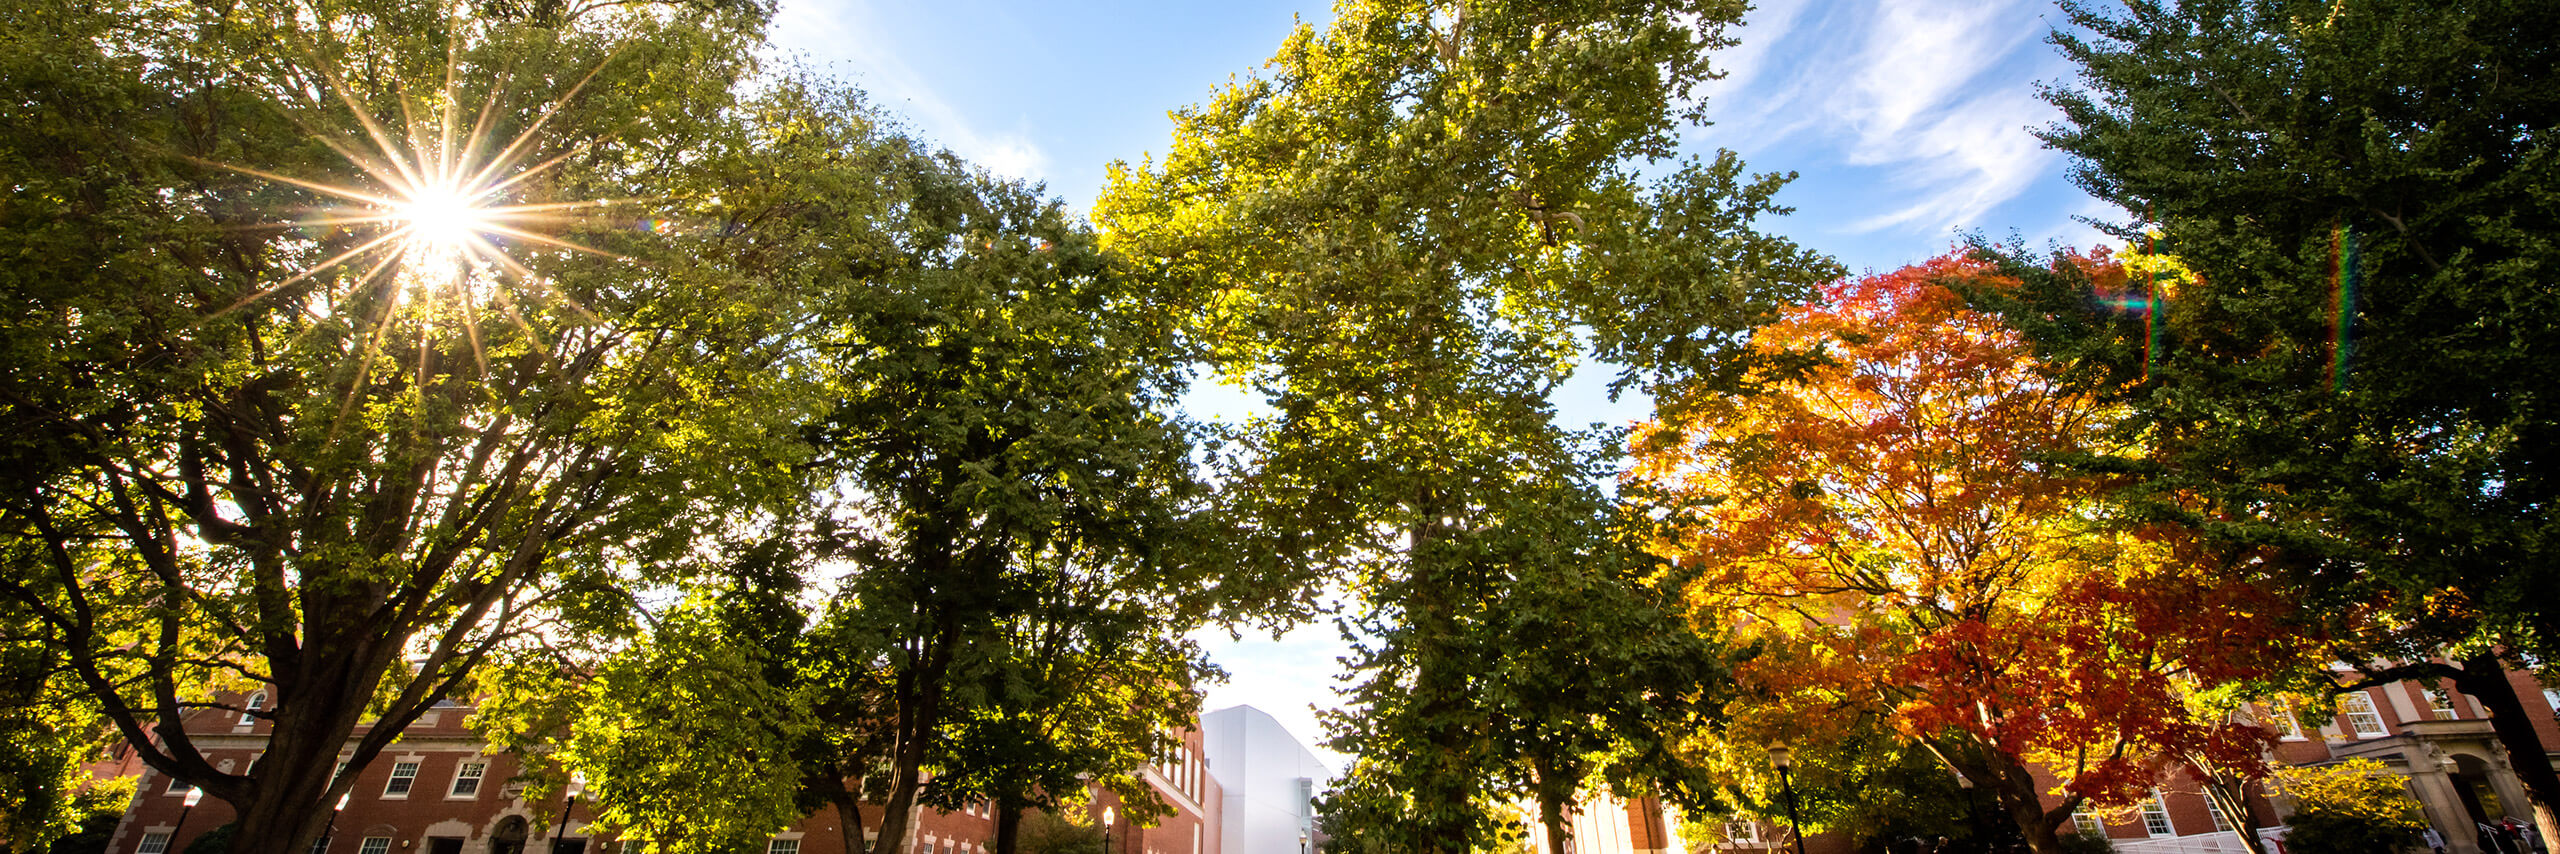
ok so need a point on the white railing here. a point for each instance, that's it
(2220, 842)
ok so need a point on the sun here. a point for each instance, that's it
(438, 201)
(441, 219)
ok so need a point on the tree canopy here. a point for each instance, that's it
(1889, 521)
(1403, 238)
(2354, 377)
(274, 419)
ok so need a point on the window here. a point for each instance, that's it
(375, 845)
(2089, 825)
(1745, 832)
(2361, 718)
(178, 787)
(2155, 817)
(466, 779)
(2288, 725)
(2213, 806)
(403, 776)
(320, 845)
(2441, 704)
(782, 846)
(256, 701)
(152, 843)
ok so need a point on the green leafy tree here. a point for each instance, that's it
(1404, 238)
(284, 410)
(997, 551)
(1018, 486)
(1082, 696)
(49, 731)
(2355, 375)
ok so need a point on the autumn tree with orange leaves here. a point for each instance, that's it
(1890, 516)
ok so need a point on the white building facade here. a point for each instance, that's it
(1270, 781)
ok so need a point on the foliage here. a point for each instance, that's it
(2354, 373)
(2081, 842)
(994, 553)
(1888, 520)
(689, 718)
(1023, 509)
(48, 732)
(2353, 806)
(1403, 238)
(95, 811)
(1047, 833)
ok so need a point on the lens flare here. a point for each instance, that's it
(439, 204)
(440, 219)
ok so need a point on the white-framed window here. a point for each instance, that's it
(320, 845)
(2213, 807)
(178, 787)
(466, 779)
(2288, 725)
(2440, 704)
(2362, 720)
(375, 845)
(2155, 817)
(1744, 832)
(782, 846)
(404, 775)
(256, 701)
(2089, 825)
(152, 843)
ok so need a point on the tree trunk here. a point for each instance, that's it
(2484, 677)
(919, 715)
(1551, 808)
(829, 783)
(290, 799)
(1444, 784)
(2230, 795)
(2014, 788)
(1008, 824)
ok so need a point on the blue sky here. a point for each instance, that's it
(1906, 120)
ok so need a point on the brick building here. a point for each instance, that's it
(440, 790)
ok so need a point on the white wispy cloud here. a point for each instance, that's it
(839, 33)
(1968, 158)
(1918, 91)
(1763, 27)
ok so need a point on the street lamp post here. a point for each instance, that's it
(329, 835)
(577, 785)
(1784, 760)
(1107, 817)
(194, 796)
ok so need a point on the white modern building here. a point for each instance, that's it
(1270, 781)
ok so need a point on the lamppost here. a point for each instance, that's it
(194, 796)
(1785, 761)
(577, 785)
(1107, 816)
(326, 836)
